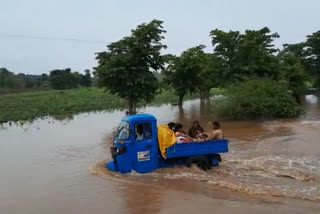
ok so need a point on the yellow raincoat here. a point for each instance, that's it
(166, 138)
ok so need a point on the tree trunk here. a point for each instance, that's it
(297, 98)
(201, 95)
(132, 106)
(180, 102)
(204, 94)
(207, 94)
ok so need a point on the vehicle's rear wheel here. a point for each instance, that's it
(218, 157)
(201, 161)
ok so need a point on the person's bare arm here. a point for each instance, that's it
(212, 136)
(180, 134)
(215, 135)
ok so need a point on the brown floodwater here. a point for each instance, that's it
(52, 166)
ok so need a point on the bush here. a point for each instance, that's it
(63, 79)
(258, 99)
(216, 91)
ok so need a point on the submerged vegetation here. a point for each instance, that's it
(32, 105)
(255, 99)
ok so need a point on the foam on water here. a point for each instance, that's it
(269, 175)
(299, 168)
(280, 165)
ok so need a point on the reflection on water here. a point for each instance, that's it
(44, 167)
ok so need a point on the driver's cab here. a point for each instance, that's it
(135, 144)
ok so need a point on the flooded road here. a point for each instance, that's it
(54, 167)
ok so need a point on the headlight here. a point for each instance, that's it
(121, 150)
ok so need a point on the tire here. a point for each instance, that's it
(201, 161)
(218, 157)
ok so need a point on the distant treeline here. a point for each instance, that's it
(57, 79)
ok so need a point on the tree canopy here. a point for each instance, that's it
(308, 53)
(62, 79)
(85, 80)
(294, 74)
(182, 73)
(246, 56)
(126, 68)
(312, 48)
(192, 71)
(9, 80)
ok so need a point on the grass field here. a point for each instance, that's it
(60, 104)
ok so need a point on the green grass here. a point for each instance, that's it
(61, 104)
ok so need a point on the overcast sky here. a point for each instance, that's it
(37, 36)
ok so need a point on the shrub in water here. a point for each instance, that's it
(254, 99)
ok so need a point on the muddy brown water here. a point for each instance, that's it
(54, 167)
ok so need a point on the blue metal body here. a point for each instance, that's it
(196, 148)
(144, 156)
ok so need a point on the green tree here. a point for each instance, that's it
(312, 48)
(226, 45)
(5, 78)
(294, 74)
(62, 79)
(246, 56)
(9, 80)
(193, 70)
(184, 72)
(86, 79)
(77, 78)
(27, 81)
(125, 69)
(44, 81)
(297, 50)
(309, 54)
(210, 75)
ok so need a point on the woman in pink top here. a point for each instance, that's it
(181, 135)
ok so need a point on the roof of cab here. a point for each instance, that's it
(139, 117)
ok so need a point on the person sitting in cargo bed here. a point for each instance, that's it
(216, 133)
(196, 131)
(181, 135)
(172, 126)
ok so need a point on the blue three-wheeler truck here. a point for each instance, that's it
(136, 147)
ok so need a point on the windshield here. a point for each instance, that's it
(123, 131)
